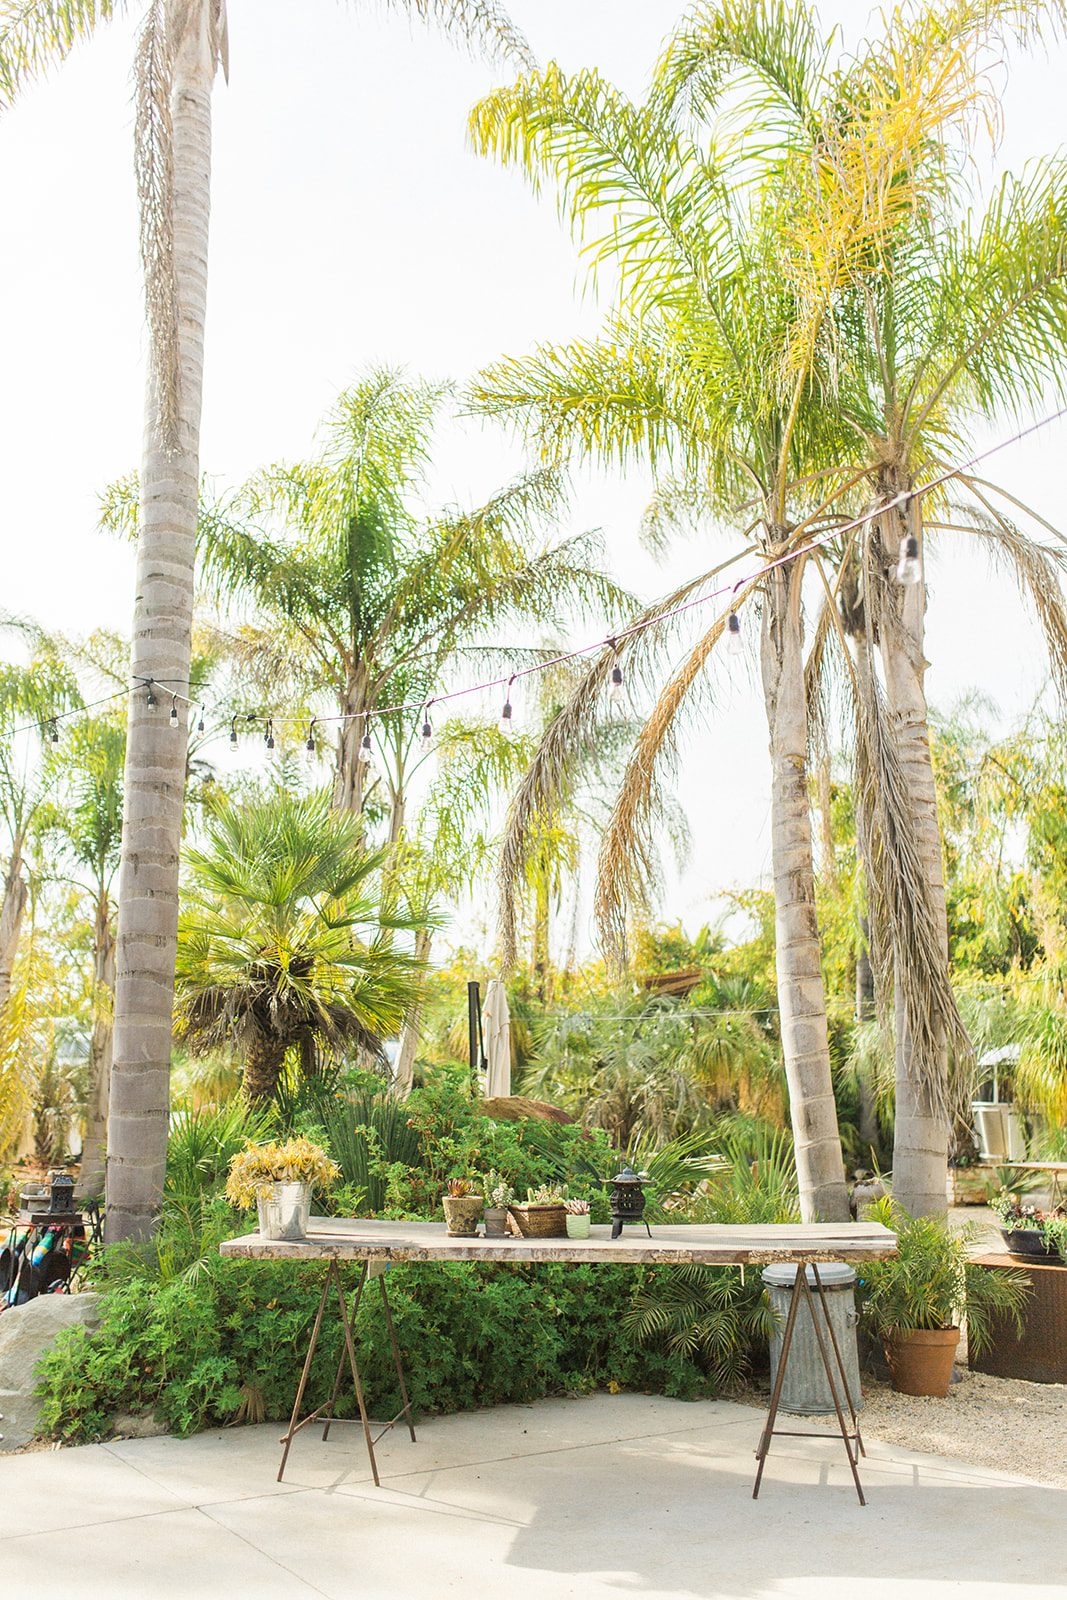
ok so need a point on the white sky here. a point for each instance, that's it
(351, 224)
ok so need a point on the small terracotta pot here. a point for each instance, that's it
(921, 1362)
(462, 1214)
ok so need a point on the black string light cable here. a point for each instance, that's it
(908, 571)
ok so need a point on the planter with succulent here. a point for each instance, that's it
(1028, 1231)
(498, 1196)
(463, 1208)
(543, 1215)
(278, 1180)
(577, 1219)
(913, 1302)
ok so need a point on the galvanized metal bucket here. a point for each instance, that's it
(283, 1213)
(805, 1388)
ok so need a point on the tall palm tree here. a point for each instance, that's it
(36, 33)
(181, 45)
(282, 943)
(358, 597)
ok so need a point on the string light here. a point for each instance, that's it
(909, 565)
(268, 737)
(150, 700)
(55, 729)
(365, 749)
(233, 734)
(505, 715)
(427, 732)
(174, 710)
(616, 694)
(735, 645)
(310, 746)
(200, 724)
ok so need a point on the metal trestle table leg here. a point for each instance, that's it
(816, 1304)
(373, 1268)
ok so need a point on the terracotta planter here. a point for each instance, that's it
(462, 1214)
(921, 1362)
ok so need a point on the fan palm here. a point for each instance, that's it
(282, 945)
(359, 598)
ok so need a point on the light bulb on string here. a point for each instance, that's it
(200, 723)
(310, 746)
(735, 644)
(233, 735)
(506, 713)
(616, 694)
(909, 564)
(268, 737)
(54, 728)
(365, 749)
(427, 732)
(174, 710)
(150, 700)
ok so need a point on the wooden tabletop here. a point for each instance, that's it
(356, 1239)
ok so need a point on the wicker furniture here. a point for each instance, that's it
(1040, 1354)
(379, 1245)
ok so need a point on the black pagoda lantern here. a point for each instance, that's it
(627, 1197)
(61, 1192)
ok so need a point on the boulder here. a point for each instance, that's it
(514, 1107)
(26, 1334)
(137, 1425)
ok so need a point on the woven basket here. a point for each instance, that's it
(539, 1222)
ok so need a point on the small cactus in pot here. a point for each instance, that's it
(577, 1219)
(463, 1208)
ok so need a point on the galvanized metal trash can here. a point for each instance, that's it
(805, 1388)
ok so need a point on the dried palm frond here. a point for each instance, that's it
(626, 868)
(154, 171)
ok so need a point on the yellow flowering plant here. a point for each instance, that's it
(255, 1168)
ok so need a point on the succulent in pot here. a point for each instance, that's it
(913, 1302)
(577, 1219)
(1028, 1231)
(278, 1179)
(498, 1196)
(462, 1207)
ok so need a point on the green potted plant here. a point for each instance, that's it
(543, 1215)
(278, 1180)
(1025, 1229)
(577, 1219)
(913, 1302)
(463, 1207)
(498, 1196)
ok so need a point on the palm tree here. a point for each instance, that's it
(181, 45)
(359, 598)
(38, 32)
(282, 945)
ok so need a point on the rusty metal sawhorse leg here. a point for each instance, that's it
(374, 1268)
(802, 1290)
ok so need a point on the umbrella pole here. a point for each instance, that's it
(474, 1029)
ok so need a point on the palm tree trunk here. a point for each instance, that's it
(91, 1181)
(801, 996)
(920, 1141)
(864, 1013)
(146, 936)
(350, 770)
(12, 911)
(409, 1035)
(263, 1068)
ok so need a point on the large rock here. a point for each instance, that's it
(26, 1334)
(514, 1107)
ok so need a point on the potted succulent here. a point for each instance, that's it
(498, 1196)
(1025, 1230)
(463, 1207)
(278, 1180)
(543, 1215)
(577, 1219)
(913, 1302)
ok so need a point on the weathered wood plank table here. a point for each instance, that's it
(379, 1245)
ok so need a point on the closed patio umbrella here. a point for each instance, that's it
(496, 1033)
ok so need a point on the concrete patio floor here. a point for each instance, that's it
(596, 1497)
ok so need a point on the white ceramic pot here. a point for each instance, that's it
(283, 1213)
(577, 1227)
